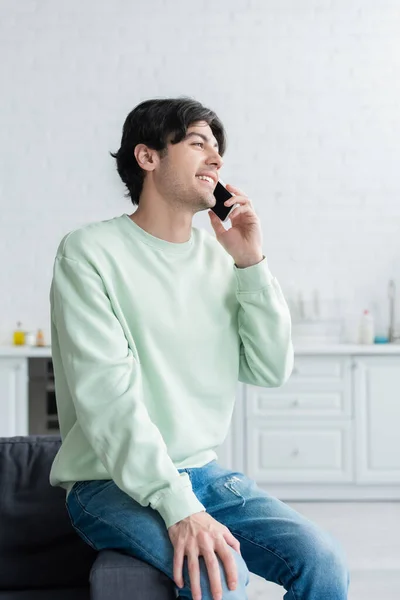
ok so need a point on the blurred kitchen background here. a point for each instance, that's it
(309, 93)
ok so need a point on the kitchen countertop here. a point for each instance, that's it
(328, 349)
(347, 349)
(24, 351)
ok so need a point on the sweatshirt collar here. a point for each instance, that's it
(151, 240)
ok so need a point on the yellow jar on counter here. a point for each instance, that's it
(19, 335)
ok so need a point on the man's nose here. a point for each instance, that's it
(215, 159)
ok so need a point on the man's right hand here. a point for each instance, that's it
(201, 535)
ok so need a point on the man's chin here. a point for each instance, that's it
(209, 201)
(204, 201)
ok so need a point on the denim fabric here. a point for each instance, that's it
(276, 542)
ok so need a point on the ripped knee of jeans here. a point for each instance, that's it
(231, 484)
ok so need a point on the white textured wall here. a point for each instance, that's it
(310, 95)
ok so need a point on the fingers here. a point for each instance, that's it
(232, 541)
(214, 573)
(216, 223)
(235, 190)
(229, 566)
(236, 211)
(194, 575)
(242, 200)
(178, 566)
(240, 209)
(213, 570)
(237, 200)
(201, 535)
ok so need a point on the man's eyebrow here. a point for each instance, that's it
(203, 137)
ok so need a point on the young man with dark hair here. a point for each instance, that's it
(153, 323)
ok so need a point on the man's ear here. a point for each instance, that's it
(147, 158)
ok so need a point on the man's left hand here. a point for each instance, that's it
(243, 241)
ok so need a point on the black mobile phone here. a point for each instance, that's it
(221, 195)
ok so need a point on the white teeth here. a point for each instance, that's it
(205, 178)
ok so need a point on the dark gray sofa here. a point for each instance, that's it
(41, 555)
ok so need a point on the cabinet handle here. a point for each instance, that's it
(295, 371)
(295, 452)
(295, 403)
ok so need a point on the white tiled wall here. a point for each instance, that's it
(309, 92)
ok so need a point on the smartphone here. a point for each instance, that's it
(221, 195)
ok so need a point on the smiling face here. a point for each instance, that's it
(188, 173)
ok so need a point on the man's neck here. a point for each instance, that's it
(166, 228)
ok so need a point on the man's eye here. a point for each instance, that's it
(197, 144)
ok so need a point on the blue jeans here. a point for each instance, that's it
(276, 542)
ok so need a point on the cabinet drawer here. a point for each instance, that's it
(319, 368)
(298, 403)
(316, 452)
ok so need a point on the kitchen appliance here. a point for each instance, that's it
(42, 411)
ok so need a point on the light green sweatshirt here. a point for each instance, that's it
(149, 339)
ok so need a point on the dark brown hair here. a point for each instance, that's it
(152, 122)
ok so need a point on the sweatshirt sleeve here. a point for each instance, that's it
(266, 349)
(104, 379)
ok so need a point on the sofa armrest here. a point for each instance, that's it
(118, 576)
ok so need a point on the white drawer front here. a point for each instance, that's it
(316, 452)
(322, 368)
(298, 403)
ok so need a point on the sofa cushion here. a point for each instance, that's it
(53, 594)
(38, 546)
(116, 576)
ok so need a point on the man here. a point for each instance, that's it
(153, 323)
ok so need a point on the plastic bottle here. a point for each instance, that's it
(366, 332)
(30, 338)
(40, 338)
(19, 335)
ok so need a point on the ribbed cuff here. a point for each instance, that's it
(254, 278)
(175, 505)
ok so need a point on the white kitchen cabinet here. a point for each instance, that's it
(302, 452)
(331, 432)
(302, 432)
(13, 397)
(377, 422)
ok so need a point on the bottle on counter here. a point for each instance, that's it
(366, 332)
(19, 335)
(30, 338)
(40, 338)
